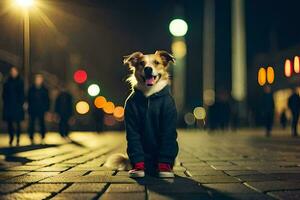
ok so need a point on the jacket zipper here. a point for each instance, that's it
(148, 103)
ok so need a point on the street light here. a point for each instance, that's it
(178, 27)
(26, 4)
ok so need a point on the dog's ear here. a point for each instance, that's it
(166, 57)
(132, 59)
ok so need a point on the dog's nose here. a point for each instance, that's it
(148, 71)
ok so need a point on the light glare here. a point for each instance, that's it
(24, 3)
(109, 107)
(288, 68)
(178, 27)
(296, 64)
(82, 107)
(94, 90)
(199, 113)
(270, 75)
(179, 49)
(262, 76)
(189, 118)
(100, 102)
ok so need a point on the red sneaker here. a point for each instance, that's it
(165, 170)
(138, 170)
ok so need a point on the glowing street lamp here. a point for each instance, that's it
(25, 3)
(178, 27)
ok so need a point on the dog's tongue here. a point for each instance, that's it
(150, 81)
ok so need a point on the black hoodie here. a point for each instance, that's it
(151, 127)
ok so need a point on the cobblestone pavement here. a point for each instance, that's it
(239, 165)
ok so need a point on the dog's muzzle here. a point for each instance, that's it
(149, 77)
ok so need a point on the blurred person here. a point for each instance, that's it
(283, 119)
(38, 105)
(224, 109)
(234, 114)
(294, 106)
(13, 100)
(212, 111)
(268, 109)
(64, 109)
(98, 116)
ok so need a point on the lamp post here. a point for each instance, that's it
(178, 28)
(25, 5)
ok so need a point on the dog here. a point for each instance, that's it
(150, 118)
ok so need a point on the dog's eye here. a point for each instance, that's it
(156, 62)
(142, 63)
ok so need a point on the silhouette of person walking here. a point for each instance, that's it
(283, 119)
(64, 109)
(38, 105)
(294, 106)
(268, 109)
(13, 100)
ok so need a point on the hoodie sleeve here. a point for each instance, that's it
(134, 147)
(168, 146)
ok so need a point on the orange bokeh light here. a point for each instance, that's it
(296, 64)
(262, 76)
(270, 75)
(100, 102)
(119, 112)
(109, 107)
(288, 68)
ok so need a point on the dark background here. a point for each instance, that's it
(96, 34)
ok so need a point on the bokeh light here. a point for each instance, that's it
(179, 49)
(93, 90)
(178, 27)
(109, 107)
(80, 76)
(82, 107)
(189, 118)
(296, 64)
(199, 113)
(209, 97)
(262, 76)
(119, 112)
(270, 75)
(288, 68)
(100, 102)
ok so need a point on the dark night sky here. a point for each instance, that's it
(101, 32)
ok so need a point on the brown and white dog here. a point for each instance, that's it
(149, 75)
(149, 70)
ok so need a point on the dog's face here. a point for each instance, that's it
(151, 68)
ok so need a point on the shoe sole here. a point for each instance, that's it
(137, 175)
(166, 175)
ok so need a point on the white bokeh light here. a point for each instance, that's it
(178, 27)
(94, 90)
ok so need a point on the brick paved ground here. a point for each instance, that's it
(240, 165)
